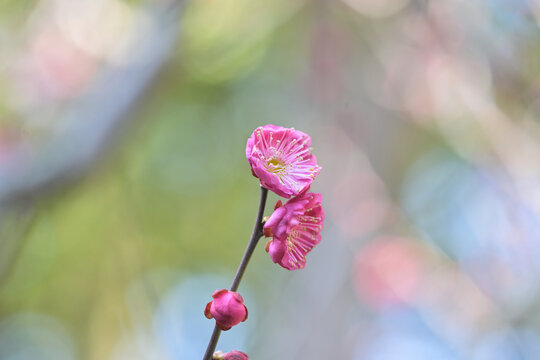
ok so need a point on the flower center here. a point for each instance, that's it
(275, 166)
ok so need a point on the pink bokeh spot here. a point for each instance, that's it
(52, 69)
(387, 272)
(281, 159)
(295, 229)
(227, 308)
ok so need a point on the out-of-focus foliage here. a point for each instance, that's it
(423, 114)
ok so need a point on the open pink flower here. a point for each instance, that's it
(227, 308)
(281, 158)
(231, 355)
(295, 229)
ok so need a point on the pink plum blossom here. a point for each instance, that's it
(281, 158)
(227, 308)
(231, 355)
(295, 229)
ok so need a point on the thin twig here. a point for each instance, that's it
(255, 236)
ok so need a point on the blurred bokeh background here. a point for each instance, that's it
(126, 199)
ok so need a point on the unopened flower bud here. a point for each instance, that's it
(227, 308)
(231, 355)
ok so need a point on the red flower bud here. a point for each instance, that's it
(227, 308)
(232, 355)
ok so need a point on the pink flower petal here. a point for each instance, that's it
(295, 229)
(281, 158)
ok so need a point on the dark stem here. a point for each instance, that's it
(255, 236)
